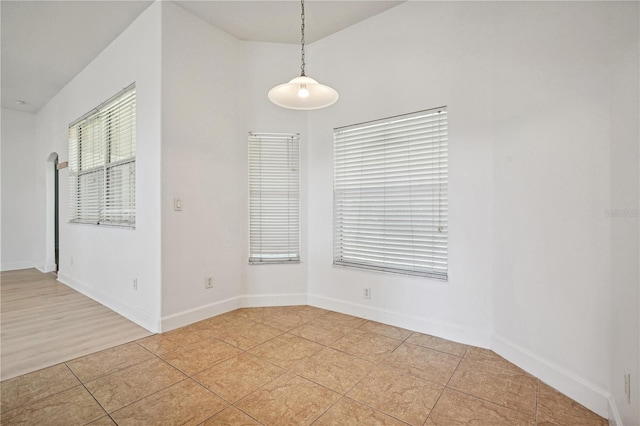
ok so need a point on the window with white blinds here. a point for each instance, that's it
(390, 194)
(274, 198)
(102, 163)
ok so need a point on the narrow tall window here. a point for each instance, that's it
(390, 194)
(102, 163)
(274, 198)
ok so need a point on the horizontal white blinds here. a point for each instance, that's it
(274, 198)
(390, 194)
(102, 163)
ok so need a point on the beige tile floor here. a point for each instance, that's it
(296, 365)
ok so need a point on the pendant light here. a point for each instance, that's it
(303, 92)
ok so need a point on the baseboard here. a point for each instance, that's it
(591, 396)
(180, 319)
(575, 387)
(14, 266)
(47, 268)
(614, 414)
(260, 300)
(143, 319)
(455, 332)
(200, 313)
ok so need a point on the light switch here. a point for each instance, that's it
(177, 204)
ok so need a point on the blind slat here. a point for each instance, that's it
(274, 198)
(102, 178)
(390, 195)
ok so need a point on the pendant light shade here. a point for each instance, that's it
(303, 92)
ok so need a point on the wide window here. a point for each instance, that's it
(274, 198)
(390, 194)
(102, 149)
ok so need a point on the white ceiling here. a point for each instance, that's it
(46, 43)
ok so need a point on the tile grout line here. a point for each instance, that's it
(41, 398)
(325, 346)
(92, 396)
(191, 377)
(344, 395)
(445, 387)
(285, 370)
(487, 400)
(139, 399)
(289, 370)
(146, 396)
(243, 351)
(537, 400)
(114, 371)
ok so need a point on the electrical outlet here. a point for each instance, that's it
(367, 293)
(627, 386)
(135, 284)
(208, 282)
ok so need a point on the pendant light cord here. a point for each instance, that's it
(302, 93)
(302, 65)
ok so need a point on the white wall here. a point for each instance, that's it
(18, 190)
(206, 118)
(416, 56)
(624, 332)
(543, 107)
(529, 93)
(102, 261)
(203, 165)
(551, 187)
(270, 64)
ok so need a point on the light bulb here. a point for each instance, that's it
(303, 92)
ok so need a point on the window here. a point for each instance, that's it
(102, 175)
(390, 194)
(274, 198)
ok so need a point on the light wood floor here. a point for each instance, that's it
(44, 323)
